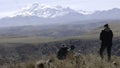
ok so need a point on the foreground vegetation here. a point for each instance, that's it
(72, 61)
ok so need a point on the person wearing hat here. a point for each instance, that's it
(106, 36)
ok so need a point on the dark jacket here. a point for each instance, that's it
(61, 54)
(106, 36)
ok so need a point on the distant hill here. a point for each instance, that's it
(51, 30)
(90, 27)
(77, 28)
(114, 25)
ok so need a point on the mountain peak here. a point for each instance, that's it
(43, 10)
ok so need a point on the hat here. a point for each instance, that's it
(63, 45)
(106, 25)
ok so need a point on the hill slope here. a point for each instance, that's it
(13, 50)
(72, 61)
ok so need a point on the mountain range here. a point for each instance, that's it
(41, 14)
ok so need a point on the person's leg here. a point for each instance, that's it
(102, 50)
(109, 52)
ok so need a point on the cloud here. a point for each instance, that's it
(7, 14)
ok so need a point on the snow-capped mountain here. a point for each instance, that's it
(45, 11)
(41, 14)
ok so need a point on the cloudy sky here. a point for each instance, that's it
(9, 6)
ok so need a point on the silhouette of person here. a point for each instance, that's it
(106, 36)
(62, 52)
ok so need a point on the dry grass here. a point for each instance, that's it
(72, 61)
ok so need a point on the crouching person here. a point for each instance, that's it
(62, 53)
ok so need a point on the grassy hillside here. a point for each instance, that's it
(22, 52)
(20, 49)
(72, 61)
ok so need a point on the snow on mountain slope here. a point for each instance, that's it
(85, 12)
(46, 11)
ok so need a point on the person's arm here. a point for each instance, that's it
(101, 35)
(111, 34)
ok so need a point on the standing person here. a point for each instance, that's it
(106, 36)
